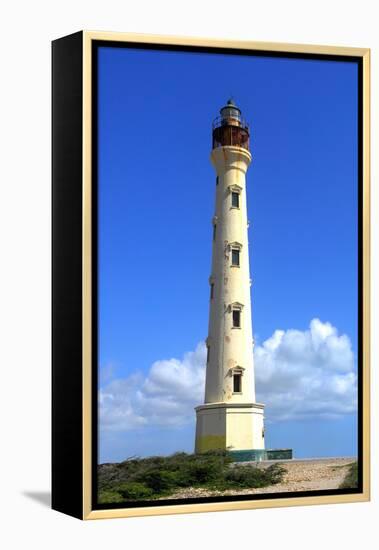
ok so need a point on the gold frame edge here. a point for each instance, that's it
(221, 43)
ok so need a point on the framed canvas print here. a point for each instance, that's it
(210, 275)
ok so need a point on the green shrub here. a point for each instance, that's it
(351, 478)
(109, 497)
(202, 469)
(143, 478)
(274, 474)
(134, 491)
(159, 481)
(251, 477)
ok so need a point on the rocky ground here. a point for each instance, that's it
(301, 475)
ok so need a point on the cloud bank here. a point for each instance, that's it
(166, 396)
(299, 374)
(307, 373)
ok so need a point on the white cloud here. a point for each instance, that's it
(298, 374)
(306, 373)
(166, 396)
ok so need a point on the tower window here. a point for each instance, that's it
(214, 232)
(235, 257)
(235, 199)
(217, 180)
(236, 318)
(207, 355)
(212, 290)
(237, 383)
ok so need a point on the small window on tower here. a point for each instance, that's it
(217, 180)
(214, 232)
(236, 318)
(207, 355)
(235, 200)
(237, 383)
(212, 290)
(235, 257)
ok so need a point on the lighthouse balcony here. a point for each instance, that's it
(229, 132)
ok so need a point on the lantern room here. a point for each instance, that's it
(229, 129)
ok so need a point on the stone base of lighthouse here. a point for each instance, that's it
(230, 426)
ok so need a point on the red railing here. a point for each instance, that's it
(230, 132)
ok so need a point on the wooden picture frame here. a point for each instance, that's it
(75, 272)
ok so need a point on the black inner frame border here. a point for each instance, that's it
(96, 44)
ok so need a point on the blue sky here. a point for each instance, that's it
(156, 199)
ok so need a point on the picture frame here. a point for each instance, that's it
(75, 203)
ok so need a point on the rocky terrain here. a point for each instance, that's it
(300, 475)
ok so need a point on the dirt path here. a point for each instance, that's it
(301, 475)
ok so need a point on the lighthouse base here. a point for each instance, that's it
(229, 426)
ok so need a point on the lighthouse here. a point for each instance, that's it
(230, 419)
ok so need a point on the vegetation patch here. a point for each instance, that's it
(155, 477)
(351, 478)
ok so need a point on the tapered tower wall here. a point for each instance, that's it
(230, 347)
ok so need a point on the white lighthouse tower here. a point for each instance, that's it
(230, 418)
